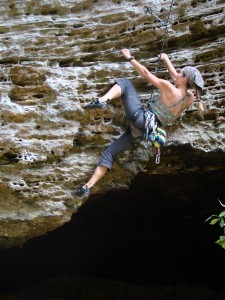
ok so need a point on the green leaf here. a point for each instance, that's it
(222, 214)
(208, 219)
(222, 238)
(214, 221)
(221, 222)
(223, 244)
(211, 217)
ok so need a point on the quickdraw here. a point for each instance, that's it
(164, 23)
(150, 124)
(154, 134)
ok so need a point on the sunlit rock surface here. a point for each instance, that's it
(57, 55)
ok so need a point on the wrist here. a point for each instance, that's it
(130, 58)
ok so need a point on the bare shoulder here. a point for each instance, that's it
(166, 85)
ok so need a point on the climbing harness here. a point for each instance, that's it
(153, 133)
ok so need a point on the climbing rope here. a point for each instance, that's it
(165, 24)
(152, 132)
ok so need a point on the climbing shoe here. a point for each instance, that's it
(96, 104)
(81, 191)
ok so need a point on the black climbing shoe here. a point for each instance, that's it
(96, 104)
(81, 191)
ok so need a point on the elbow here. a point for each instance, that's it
(144, 72)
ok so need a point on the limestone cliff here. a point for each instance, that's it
(57, 55)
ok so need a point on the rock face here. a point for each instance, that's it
(56, 56)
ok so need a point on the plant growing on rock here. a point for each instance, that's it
(220, 219)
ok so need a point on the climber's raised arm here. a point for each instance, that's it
(143, 71)
(172, 71)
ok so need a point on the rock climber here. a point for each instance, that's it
(167, 107)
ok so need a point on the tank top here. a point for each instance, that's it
(163, 112)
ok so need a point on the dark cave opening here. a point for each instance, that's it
(152, 234)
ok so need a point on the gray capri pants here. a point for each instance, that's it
(128, 140)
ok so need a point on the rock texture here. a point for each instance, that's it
(55, 56)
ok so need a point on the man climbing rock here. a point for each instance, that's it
(166, 108)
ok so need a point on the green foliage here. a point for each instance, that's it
(219, 219)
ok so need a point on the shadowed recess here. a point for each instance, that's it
(152, 234)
